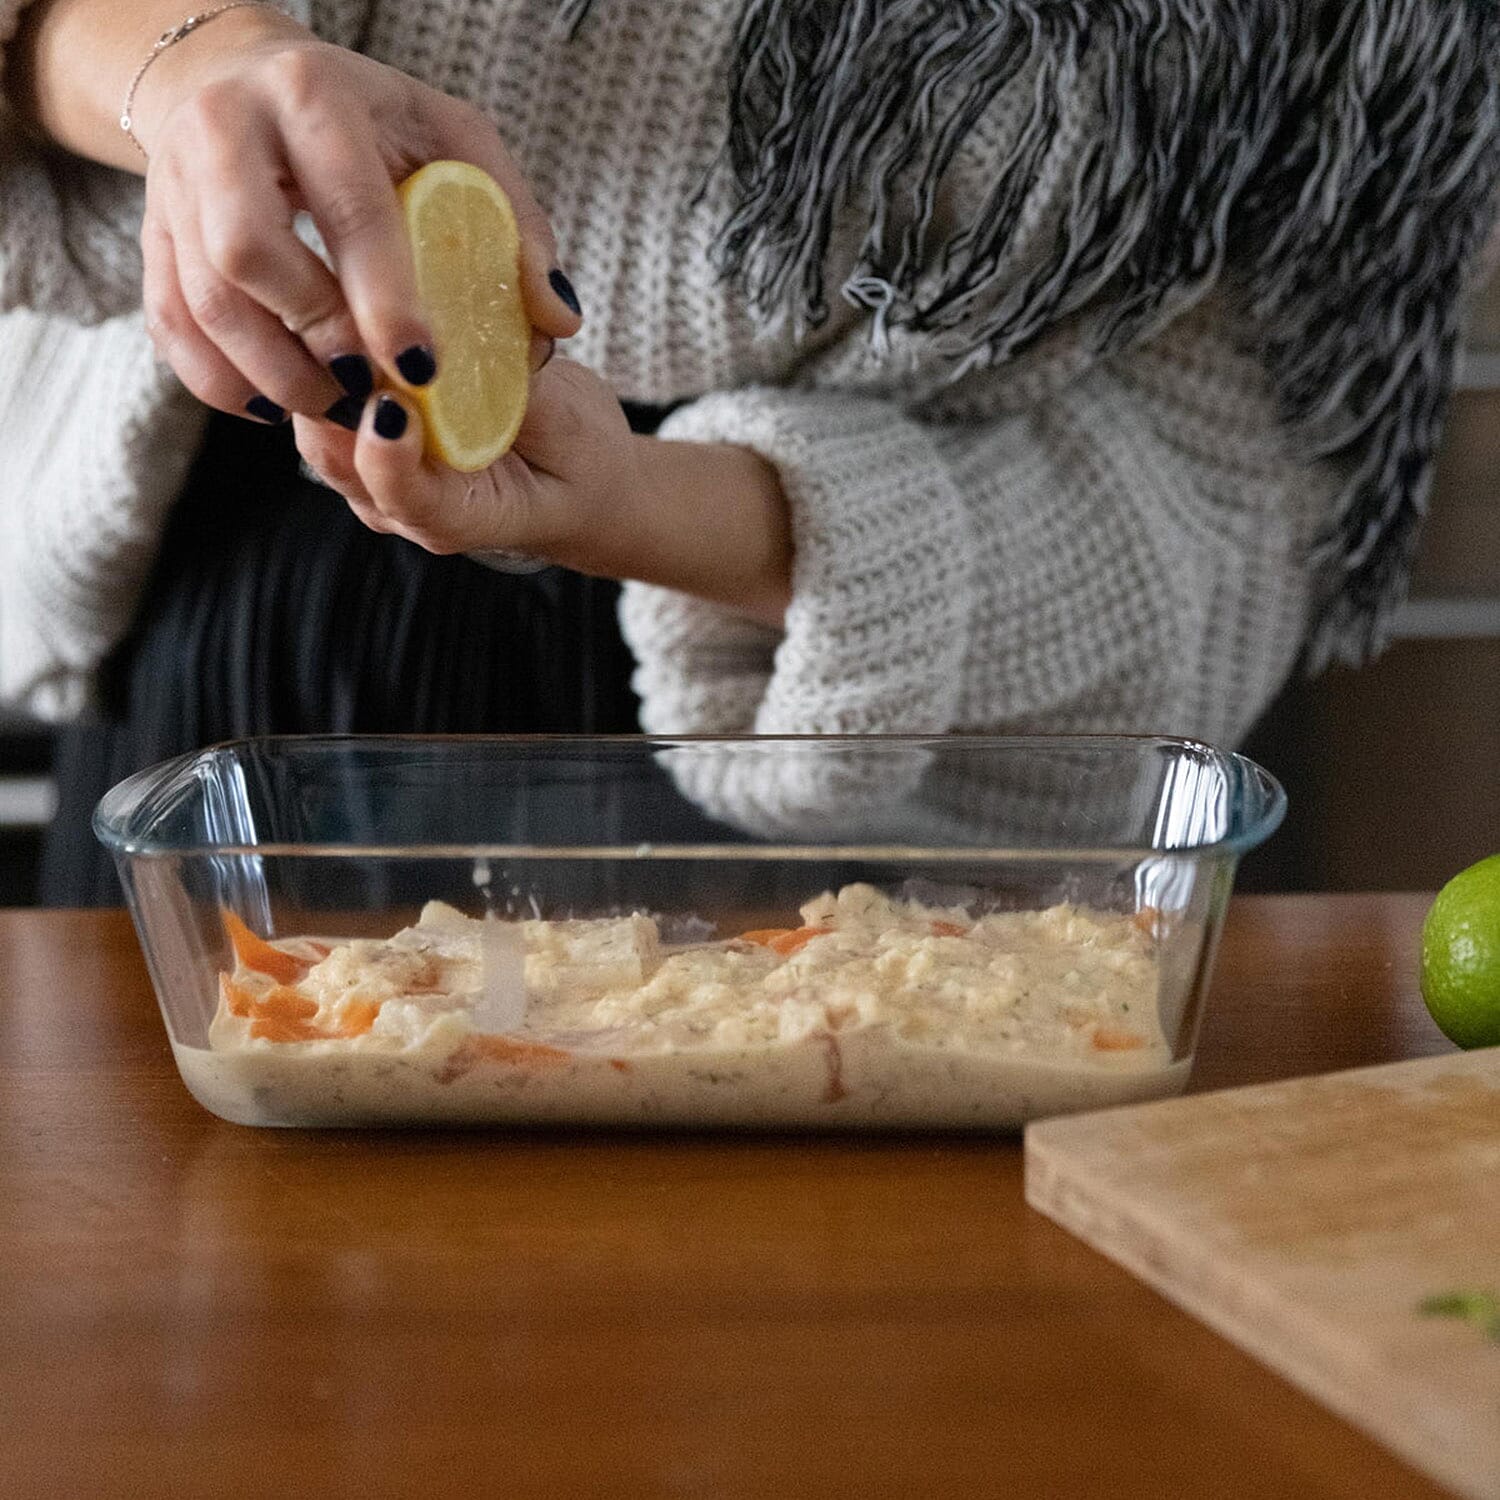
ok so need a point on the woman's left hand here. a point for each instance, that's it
(578, 489)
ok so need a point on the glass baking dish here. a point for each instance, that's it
(803, 932)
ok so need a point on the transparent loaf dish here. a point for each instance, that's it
(957, 932)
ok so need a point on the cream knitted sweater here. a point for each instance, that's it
(1070, 537)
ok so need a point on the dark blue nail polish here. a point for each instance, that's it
(265, 410)
(346, 412)
(353, 372)
(564, 289)
(390, 418)
(417, 364)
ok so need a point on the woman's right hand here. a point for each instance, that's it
(247, 128)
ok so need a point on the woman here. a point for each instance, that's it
(1029, 366)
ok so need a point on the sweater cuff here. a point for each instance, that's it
(876, 632)
(700, 669)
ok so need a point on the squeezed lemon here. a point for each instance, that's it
(467, 253)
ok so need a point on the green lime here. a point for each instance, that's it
(1461, 956)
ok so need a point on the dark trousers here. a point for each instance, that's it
(271, 610)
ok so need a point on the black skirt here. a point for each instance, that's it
(271, 610)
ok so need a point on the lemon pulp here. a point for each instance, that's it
(466, 250)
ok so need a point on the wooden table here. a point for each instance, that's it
(191, 1308)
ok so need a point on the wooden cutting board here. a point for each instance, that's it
(1306, 1221)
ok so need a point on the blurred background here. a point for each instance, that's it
(1393, 771)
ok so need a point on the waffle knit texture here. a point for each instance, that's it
(1056, 458)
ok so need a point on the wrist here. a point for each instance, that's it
(711, 519)
(69, 65)
(202, 55)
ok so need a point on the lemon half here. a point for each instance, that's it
(467, 252)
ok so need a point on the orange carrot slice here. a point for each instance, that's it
(286, 1005)
(359, 1017)
(256, 953)
(765, 936)
(508, 1050)
(237, 999)
(280, 1015)
(948, 929)
(283, 1029)
(789, 942)
(1117, 1039)
(783, 940)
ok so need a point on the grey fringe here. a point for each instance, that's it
(571, 14)
(1332, 163)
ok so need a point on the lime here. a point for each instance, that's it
(1461, 956)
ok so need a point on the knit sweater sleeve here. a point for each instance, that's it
(1060, 492)
(878, 627)
(69, 233)
(995, 530)
(1129, 555)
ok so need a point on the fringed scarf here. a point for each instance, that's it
(1332, 163)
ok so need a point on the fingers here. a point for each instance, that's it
(543, 348)
(231, 350)
(384, 479)
(261, 256)
(407, 492)
(249, 314)
(178, 339)
(428, 503)
(329, 452)
(241, 217)
(348, 190)
(224, 209)
(466, 134)
(251, 338)
(236, 355)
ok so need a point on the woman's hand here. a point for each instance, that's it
(579, 489)
(246, 125)
(268, 121)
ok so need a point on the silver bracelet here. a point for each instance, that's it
(165, 40)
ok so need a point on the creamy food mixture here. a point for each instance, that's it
(873, 1011)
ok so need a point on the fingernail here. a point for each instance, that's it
(346, 412)
(390, 418)
(417, 364)
(265, 410)
(564, 289)
(353, 372)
